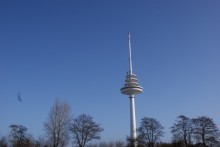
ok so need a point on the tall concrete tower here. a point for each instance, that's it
(131, 88)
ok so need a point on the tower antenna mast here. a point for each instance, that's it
(129, 47)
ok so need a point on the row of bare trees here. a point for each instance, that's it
(60, 127)
(201, 130)
(195, 132)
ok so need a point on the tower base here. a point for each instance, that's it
(132, 142)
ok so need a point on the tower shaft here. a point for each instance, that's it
(133, 129)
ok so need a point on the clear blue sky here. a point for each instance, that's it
(78, 51)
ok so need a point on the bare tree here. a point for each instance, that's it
(205, 130)
(182, 130)
(19, 136)
(84, 129)
(119, 143)
(150, 131)
(3, 142)
(57, 125)
(41, 142)
(13, 135)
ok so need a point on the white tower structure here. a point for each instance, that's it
(131, 88)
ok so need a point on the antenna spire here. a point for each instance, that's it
(129, 46)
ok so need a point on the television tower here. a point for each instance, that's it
(131, 88)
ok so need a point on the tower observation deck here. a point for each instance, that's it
(131, 88)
